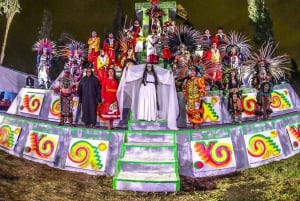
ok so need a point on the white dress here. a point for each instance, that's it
(147, 102)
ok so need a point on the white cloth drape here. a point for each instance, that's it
(129, 89)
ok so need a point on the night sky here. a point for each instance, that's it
(79, 18)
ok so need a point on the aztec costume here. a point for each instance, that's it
(94, 43)
(93, 48)
(66, 85)
(151, 44)
(194, 90)
(263, 70)
(126, 46)
(234, 100)
(45, 49)
(109, 108)
(184, 39)
(110, 46)
(102, 63)
(75, 52)
(128, 93)
(235, 51)
(88, 92)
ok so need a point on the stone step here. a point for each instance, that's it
(153, 150)
(147, 125)
(166, 137)
(147, 182)
(143, 163)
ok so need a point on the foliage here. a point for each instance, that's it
(9, 7)
(23, 180)
(260, 21)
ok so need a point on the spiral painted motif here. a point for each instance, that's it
(55, 108)
(275, 100)
(43, 146)
(262, 146)
(32, 103)
(216, 154)
(5, 136)
(249, 104)
(85, 154)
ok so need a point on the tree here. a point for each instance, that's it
(261, 22)
(8, 8)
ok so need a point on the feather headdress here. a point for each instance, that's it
(183, 36)
(276, 66)
(239, 41)
(45, 43)
(68, 50)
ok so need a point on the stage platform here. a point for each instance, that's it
(128, 154)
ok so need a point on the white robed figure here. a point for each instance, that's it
(146, 100)
(148, 104)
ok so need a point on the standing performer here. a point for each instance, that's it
(66, 85)
(94, 42)
(148, 102)
(45, 49)
(102, 63)
(109, 108)
(75, 53)
(110, 46)
(88, 92)
(152, 42)
(194, 90)
(263, 70)
(234, 101)
(94, 46)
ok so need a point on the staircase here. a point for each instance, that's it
(148, 162)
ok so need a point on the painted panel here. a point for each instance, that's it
(87, 154)
(41, 145)
(262, 146)
(213, 154)
(9, 135)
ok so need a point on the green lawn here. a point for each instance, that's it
(24, 180)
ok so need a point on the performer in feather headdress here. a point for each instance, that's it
(193, 91)
(263, 70)
(75, 52)
(234, 52)
(182, 42)
(45, 50)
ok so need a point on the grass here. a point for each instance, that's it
(24, 180)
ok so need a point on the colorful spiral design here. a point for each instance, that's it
(5, 136)
(55, 108)
(85, 154)
(264, 147)
(276, 100)
(216, 154)
(42, 145)
(221, 154)
(257, 146)
(46, 147)
(249, 104)
(32, 103)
